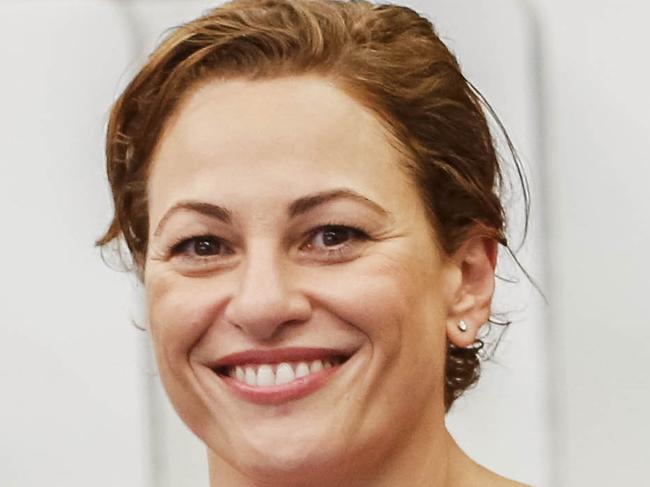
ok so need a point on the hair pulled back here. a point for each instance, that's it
(387, 57)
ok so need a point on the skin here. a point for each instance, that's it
(267, 281)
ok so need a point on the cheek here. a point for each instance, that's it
(397, 304)
(180, 311)
(392, 299)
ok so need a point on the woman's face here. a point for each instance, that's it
(282, 226)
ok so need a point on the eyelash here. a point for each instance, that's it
(337, 252)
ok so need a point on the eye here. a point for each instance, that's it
(335, 239)
(333, 235)
(199, 246)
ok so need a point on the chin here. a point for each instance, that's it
(286, 456)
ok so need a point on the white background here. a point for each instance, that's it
(565, 404)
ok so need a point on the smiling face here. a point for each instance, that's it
(281, 219)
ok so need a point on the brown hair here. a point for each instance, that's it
(387, 57)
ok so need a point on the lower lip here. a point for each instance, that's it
(282, 393)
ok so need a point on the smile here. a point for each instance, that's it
(269, 377)
(266, 375)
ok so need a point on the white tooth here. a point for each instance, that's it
(239, 374)
(327, 364)
(302, 370)
(231, 372)
(315, 366)
(265, 376)
(284, 374)
(249, 376)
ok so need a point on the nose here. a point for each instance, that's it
(266, 298)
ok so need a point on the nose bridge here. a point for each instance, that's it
(265, 297)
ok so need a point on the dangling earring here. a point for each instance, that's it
(462, 326)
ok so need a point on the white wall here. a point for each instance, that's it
(71, 399)
(596, 75)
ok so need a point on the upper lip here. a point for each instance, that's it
(277, 355)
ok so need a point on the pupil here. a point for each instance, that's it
(334, 236)
(205, 247)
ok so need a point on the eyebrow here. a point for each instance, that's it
(214, 211)
(298, 207)
(308, 202)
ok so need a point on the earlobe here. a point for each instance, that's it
(462, 333)
(470, 306)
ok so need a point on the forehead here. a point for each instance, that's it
(243, 138)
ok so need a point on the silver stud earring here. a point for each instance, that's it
(462, 326)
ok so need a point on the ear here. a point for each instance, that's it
(475, 260)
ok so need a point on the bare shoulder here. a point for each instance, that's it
(491, 479)
(479, 476)
(465, 472)
(504, 482)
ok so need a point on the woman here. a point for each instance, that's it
(309, 192)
